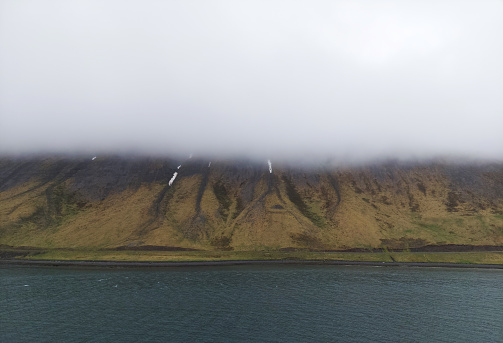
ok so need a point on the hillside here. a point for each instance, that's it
(130, 203)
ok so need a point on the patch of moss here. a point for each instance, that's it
(306, 240)
(431, 227)
(221, 243)
(60, 204)
(296, 199)
(223, 199)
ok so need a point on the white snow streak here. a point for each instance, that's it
(93, 158)
(179, 166)
(270, 166)
(209, 164)
(172, 179)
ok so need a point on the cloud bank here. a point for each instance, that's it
(264, 78)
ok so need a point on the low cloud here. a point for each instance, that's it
(285, 79)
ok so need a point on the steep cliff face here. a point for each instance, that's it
(114, 202)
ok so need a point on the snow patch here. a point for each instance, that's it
(270, 166)
(92, 159)
(172, 179)
(209, 164)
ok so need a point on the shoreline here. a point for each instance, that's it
(171, 264)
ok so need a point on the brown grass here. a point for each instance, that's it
(106, 255)
(411, 207)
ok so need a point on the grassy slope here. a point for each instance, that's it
(251, 210)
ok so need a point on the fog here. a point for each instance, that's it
(278, 79)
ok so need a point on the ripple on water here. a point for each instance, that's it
(251, 304)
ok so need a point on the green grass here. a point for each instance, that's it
(431, 227)
(108, 255)
(450, 257)
(158, 256)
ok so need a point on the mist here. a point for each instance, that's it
(274, 79)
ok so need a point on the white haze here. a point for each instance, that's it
(343, 79)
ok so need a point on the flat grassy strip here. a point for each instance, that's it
(177, 256)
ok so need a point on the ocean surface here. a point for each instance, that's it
(292, 303)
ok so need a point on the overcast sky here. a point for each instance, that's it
(398, 78)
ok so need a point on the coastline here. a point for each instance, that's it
(171, 264)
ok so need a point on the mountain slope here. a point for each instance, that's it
(115, 202)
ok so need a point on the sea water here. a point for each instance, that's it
(251, 304)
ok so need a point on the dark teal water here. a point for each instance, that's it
(251, 304)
